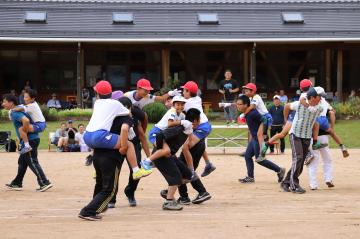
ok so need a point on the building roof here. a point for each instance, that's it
(177, 20)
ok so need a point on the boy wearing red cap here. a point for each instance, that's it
(141, 96)
(98, 133)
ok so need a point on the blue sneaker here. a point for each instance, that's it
(146, 165)
(25, 149)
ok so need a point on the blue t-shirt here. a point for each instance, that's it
(16, 119)
(253, 120)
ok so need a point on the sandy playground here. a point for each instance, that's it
(257, 210)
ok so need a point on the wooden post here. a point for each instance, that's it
(246, 66)
(165, 65)
(328, 69)
(339, 75)
(253, 64)
(79, 74)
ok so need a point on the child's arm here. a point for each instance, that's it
(304, 102)
(172, 123)
(124, 138)
(252, 106)
(260, 136)
(19, 109)
(143, 141)
(286, 111)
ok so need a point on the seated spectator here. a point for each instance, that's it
(297, 96)
(70, 126)
(58, 134)
(21, 97)
(283, 97)
(68, 143)
(54, 102)
(79, 138)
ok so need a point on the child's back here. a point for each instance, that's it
(171, 114)
(34, 111)
(259, 103)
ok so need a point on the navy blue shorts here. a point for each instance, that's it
(203, 130)
(152, 134)
(323, 123)
(39, 127)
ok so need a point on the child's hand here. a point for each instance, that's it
(123, 150)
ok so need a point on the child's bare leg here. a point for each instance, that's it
(131, 156)
(334, 136)
(209, 167)
(23, 134)
(206, 157)
(163, 152)
(171, 192)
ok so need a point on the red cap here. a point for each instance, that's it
(250, 86)
(305, 83)
(103, 87)
(144, 84)
(191, 86)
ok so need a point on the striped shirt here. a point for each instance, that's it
(304, 119)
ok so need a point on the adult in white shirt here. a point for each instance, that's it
(79, 138)
(53, 102)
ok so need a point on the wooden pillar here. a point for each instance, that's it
(79, 74)
(253, 65)
(328, 69)
(165, 66)
(246, 66)
(339, 75)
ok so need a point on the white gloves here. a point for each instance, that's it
(175, 92)
(187, 126)
(224, 105)
(131, 133)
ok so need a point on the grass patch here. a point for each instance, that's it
(348, 130)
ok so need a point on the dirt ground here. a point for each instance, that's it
(258, 210)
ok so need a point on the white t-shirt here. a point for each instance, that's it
(325, 105)
(259, 103)
(34, 112)
(104, 113)
(80, 138)
(196, 102)
(170, 115)
(142, 102)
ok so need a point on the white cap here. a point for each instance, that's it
(178, 98)
(316, 91)
(276, 97)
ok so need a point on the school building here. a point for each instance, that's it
(63, 46)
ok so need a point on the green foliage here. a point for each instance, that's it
(4, 115)
(349, 109)
(79, 113)
(155, 111)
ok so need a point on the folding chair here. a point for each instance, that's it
(51, 136)
(5, 137)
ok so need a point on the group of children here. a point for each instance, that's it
(117, 131)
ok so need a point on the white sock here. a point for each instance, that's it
(135, 169)
(147, 160)
(27, 144)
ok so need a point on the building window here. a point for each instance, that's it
(39, 17)
(123, 18)
(292, 17)
(208, 18)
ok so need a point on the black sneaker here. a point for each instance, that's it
(163, 193)
(14, 187)
(91, 218)
(285, 187)
(281, 175)
(184, 200)
(132, 201)
(209, 168)
(89, 160)
(44, 187)
(330, 184)
(201, 197)
(247, 180)
(298, 190)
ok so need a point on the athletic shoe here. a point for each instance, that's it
(111, 205)
(184, 200)
(298, 190)
(141, 173)
(91, 218)
(247, 180)
(344, 151)
(163, 193)
(14, 187)
(208, 169)
(264, 148)
(201, 197)
(281, 175)
(172, 205)
(44, 187)
(319, 145)
(330, 184)
(59, 149)
(146, 165)
(25, 149)
(285, 187)
(313, 188)
(89, 160)
(309, 158)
